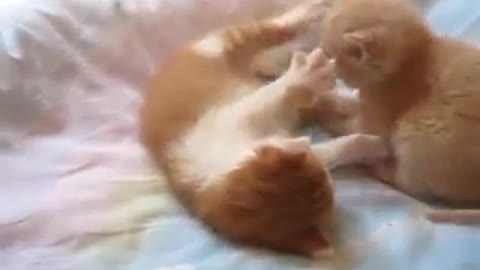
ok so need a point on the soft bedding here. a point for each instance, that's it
(76, 189)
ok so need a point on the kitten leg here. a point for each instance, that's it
(243, 42)
(278, 103)
(351, 149)
(273, 107)
(339, 114)
(272, 63)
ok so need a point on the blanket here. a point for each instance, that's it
(77, 191)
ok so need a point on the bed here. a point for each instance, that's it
(77, 191)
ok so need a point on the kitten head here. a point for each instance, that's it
(280, 198)
(371, 40)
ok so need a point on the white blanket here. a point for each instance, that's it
(76, 189)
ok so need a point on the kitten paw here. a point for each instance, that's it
(304, 14)
(308, 76)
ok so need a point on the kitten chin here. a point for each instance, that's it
(279, 197)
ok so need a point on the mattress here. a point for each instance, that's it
(77, 191)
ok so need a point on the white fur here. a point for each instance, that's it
(223, 137)
(291, 17)
(211, 46)
(309, 11)
(349, 149)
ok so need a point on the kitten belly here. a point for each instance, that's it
(214, 148)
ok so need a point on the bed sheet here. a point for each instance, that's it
(76, 189)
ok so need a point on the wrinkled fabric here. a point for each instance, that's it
(77, 190)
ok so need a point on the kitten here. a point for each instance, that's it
(418, 90)
(225, 140)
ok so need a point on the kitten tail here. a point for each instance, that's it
(453, 216)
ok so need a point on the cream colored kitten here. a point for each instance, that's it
(226, 139)
(419, 91)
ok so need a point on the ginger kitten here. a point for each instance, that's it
(225, 138)
(418, 90)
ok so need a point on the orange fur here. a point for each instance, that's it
(417, 90)
(275, 199)
(223, 136)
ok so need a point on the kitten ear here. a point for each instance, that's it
(294, 152)
(360, 43)
(291, 153)
(296, 145)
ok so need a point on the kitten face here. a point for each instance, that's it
(371, 39)
(280, 198)
(358, 57)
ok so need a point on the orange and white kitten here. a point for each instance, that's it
(224, 136)
(419, 91)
